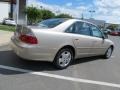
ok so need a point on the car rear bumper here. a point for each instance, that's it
(32, 52)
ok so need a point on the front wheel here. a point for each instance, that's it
(108, 53)
(63, 58)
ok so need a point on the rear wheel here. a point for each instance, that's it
(108, 53)
(63, 58)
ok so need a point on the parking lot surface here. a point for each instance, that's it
(92, 73)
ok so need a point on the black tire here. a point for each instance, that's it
(110, 51)
(59, 54)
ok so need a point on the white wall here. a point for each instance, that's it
(4, 10)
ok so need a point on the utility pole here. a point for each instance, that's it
(82, 16)
(21, 15)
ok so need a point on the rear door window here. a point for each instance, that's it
(83, 28)
(79, 28)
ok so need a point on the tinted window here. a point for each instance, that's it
(79, 28)
(96, 32)
(51, 23)
(83, 28)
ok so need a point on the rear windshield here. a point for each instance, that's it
(51, 23)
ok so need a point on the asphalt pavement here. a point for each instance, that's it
(92, 73)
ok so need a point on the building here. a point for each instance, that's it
(8, 6)
(20, 6)
(4, 12)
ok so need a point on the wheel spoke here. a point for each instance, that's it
(65, 58)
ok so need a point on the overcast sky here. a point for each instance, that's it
(108, 10)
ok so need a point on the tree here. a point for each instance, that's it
(47, 14)
(64, 16)
(33, 15)
(112, 26)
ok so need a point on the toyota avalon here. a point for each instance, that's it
(60, 41)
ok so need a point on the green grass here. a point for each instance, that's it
(7, 28)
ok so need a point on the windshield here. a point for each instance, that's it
(51, 23)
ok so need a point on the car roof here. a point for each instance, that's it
(75, 19)
(82, 21)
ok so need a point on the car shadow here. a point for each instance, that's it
(10, 59)
(85, 60)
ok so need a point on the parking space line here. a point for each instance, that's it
(62, 77)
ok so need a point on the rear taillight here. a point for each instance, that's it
(25, 34)
(28, 39)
